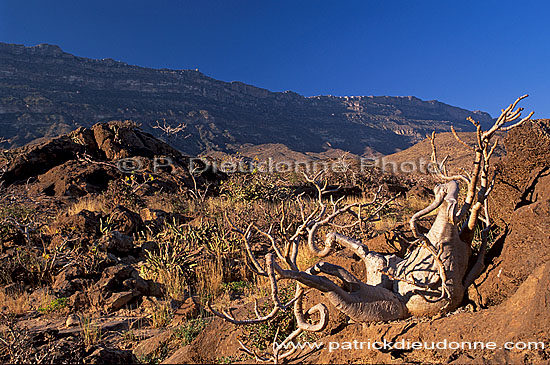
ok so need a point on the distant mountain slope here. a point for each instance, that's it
(45, 91)
(446, 144)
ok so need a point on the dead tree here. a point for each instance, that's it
(169, 130)
(431, 279)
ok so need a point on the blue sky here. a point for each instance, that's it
(472, 54)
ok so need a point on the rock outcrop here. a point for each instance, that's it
(521, 206)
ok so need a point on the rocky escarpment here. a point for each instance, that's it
(45, 92)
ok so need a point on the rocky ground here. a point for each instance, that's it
(100, 264)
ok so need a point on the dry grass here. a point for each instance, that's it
(210, 277)
(91, 332)
(175, 284)
(161, 316)
(159, 202)
(14, 303)
(306, 258)
(93, 204)
(386, 223)
(44, 300)
(401, 212)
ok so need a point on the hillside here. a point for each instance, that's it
(45, 92)
(459, 156)
(99, 264)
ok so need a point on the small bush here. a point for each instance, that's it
(55, 305)
(15, 218)
(190, 330)
(255, 186)
(120, 192)
(260, 336)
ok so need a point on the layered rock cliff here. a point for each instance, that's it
(45, 91)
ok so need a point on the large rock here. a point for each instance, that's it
(527, 155)
(521, 204)
(86, 159)
(126, 221)
(116, 242)
(118, 140)
(37, 159)
(75, 178)
(526, 245)
(120, 285)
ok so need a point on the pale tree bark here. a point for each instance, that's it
(431, 279)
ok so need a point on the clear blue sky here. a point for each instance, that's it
(473, 54)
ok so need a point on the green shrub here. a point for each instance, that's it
(55, 305)
(190, 330)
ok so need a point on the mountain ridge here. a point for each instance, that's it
(45, 91)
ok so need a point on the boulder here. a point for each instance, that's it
(126, 221)
(64, 283)
(118, 300)
(116, 242)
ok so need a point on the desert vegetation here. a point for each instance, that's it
(103, 264)
(84, 241)
(431, 279)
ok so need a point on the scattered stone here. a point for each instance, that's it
(186, 311)
(148, 214)
(189, 309)
(85, 224)
(118, 300)
(421, 192)
(149, 246)
(119, 285)
(72, 320)
(113, 276)
(64, 285)
(78, 301)
(145, 287)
